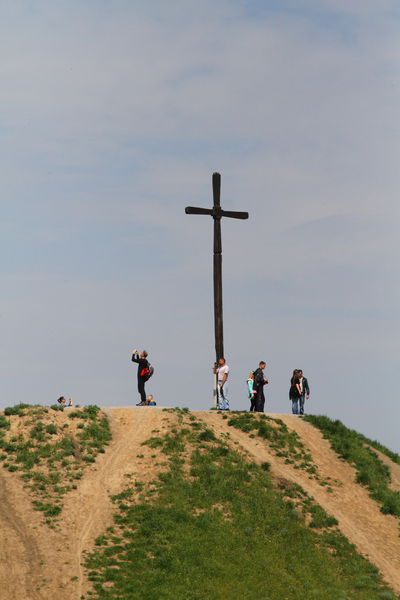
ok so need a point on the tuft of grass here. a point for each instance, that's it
(18, 409)
(207, 435)
(356, 449)
(51, 428)
(4, 423)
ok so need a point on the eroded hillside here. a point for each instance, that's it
(43, 556)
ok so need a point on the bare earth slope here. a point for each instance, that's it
(37, 563)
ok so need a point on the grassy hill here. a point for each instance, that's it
(196, 505)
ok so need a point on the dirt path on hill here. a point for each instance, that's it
(374, 534)
(38, 563)
(90, 511)
(19, 553)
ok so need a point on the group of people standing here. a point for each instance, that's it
(299, 389)
(255, 383)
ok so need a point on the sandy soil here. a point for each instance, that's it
(37, 563)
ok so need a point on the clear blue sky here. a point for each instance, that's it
(113, 116)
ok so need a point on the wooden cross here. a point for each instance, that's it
(216, 212)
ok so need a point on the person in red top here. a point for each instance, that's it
(142, 373)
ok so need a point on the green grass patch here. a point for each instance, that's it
(212, 527)
(4, 423)
(49, 456)
(286, 444)
(357, 450)
(51, 429)
(18, 409)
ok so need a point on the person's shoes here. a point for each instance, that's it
(141, 404)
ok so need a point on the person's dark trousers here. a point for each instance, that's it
(301, 402)
(260, 400)
(253, 403)
(140, 385)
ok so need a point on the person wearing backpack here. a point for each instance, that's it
(144, 372)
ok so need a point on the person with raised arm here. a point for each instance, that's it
(142, 373)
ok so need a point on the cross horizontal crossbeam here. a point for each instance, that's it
(216, 212)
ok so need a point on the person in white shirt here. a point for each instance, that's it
(222, 371)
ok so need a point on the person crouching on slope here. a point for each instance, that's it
(142, 373)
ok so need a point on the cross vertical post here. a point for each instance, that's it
(217, 213)
(218, 311)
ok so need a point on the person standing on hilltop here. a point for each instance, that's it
(142, 373)
(251, 394)
(258, 386)
(295, 391)
(221, 369)
(305, 390)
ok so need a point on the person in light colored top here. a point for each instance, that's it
(251, 394)
(222, 371)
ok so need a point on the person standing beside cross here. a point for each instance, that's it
(221, 370)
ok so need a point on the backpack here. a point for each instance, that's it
(146, 373)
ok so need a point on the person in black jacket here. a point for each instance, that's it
(295, 391)
(258, 387)
(142, 373)
(305, 390)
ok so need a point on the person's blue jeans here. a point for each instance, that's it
(295, 406)
(302, 399)
(223, 402)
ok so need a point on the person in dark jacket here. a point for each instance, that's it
(258, 387)
(305, 390)
(142, 373)
(295, 391)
